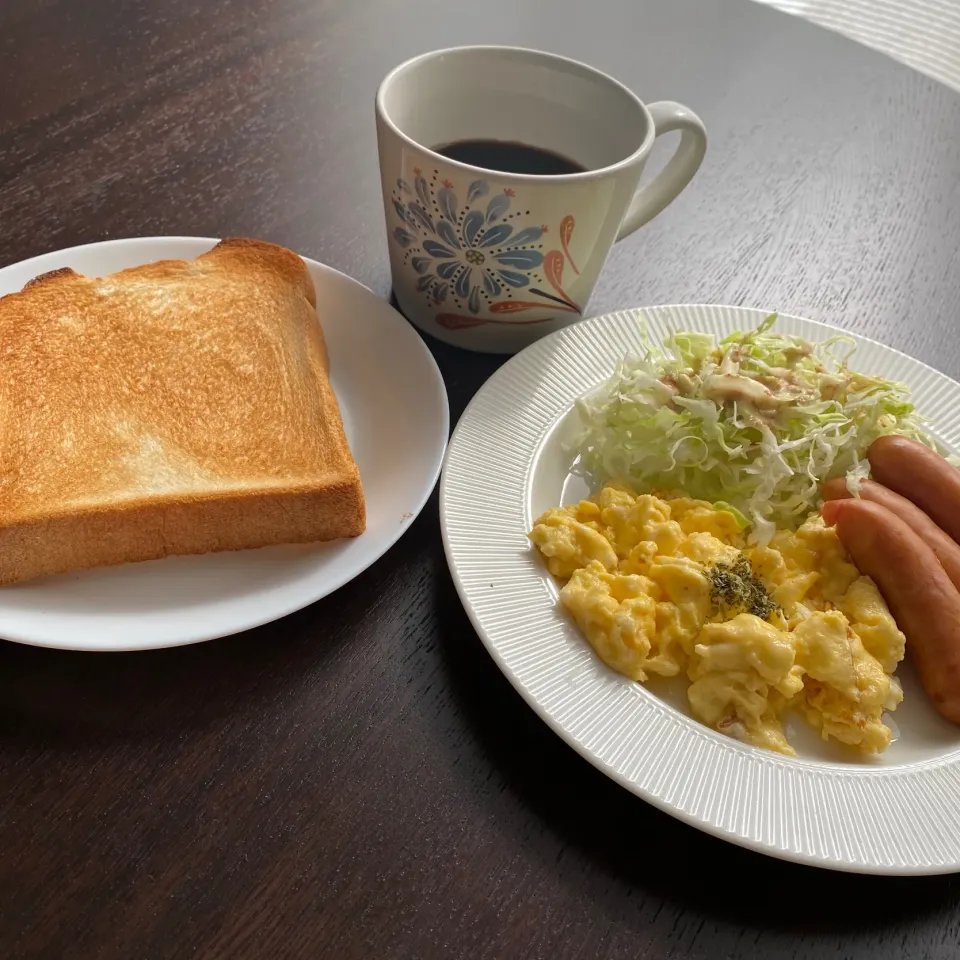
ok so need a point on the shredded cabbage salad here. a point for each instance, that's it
(754, 423)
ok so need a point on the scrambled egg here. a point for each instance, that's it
(667, 585)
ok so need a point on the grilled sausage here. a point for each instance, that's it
(924, 602)
(920, 474)
(947, 550)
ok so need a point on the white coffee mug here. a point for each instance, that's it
(492, 260)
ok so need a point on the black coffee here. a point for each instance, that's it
(509, 157)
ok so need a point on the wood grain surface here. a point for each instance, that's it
(358, 780)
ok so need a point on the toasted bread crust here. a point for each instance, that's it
(173, 408)
(149, 531)
(45, 279)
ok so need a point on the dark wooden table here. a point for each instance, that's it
(358, 780)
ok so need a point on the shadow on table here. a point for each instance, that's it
(464, 371)
(646, 849)
(64, 698)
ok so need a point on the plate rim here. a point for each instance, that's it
(758, 845)
(437, 384)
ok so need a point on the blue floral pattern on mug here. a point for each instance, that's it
(464, 249)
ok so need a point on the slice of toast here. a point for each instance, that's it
(174, 408)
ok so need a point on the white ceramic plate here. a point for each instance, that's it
(896, 814)
(395, 413)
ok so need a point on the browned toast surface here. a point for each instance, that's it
(186, 403)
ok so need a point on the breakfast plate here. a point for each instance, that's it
(892, 813)
(395, 414)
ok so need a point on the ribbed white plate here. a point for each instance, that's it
(395, 414)
(896, 814)
(924, 34)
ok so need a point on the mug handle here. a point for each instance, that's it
(650, 199)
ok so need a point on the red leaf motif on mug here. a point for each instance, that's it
(454, 321)
(566, 232)
(553, 271)
(515, 306)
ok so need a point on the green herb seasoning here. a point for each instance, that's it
(737, 589)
